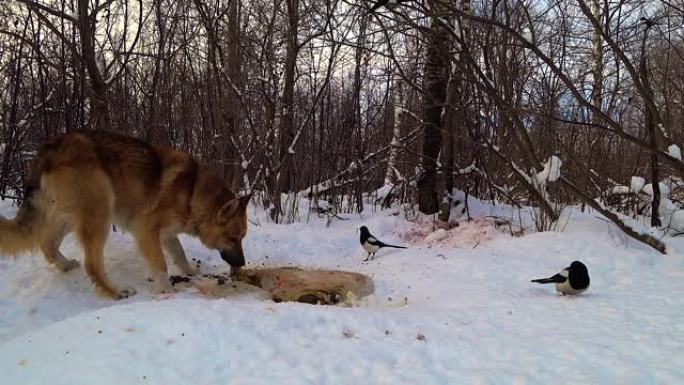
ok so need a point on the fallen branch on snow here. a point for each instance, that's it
(613, 217)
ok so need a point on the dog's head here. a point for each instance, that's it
(225, 231)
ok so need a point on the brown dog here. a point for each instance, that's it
(85, 181)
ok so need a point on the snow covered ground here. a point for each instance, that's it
(456, 307)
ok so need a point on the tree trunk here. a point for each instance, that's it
(597, 61)
(396, 104)
(284, 179)
(650, 123)
(596, 90)
(9, 136)
(455, 119)
(152, 119)
(99, 89)
(356, 120)
(436, 77)
(231, 108)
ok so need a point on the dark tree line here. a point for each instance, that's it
(332, 100)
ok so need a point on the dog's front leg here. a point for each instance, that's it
(173, 246)
(149, 244)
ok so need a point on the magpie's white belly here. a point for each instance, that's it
(370, 248)
(565, 288)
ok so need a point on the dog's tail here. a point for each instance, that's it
(25, 232)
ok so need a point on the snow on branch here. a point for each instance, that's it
(551, 171)
(675, 152)
(615, 218)
(536, 183)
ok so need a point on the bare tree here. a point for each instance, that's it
(334, 100)
(436, 75)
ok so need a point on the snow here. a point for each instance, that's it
(550, 172)
(664, 190)
(467, 170)
(637, 183)
(675, 220)
(675, 152)
(456, 307)
(323, 205)
(383, 191)
(436, 236)
(28, 154)
(670, 212)
(662, 130)
(616, 190)
(527, 35)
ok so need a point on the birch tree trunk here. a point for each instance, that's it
(358, 58)
(397, 112)
(597, 61)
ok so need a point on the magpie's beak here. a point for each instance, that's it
(236, 260)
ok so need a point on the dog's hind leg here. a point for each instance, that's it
(86, 197)
(50, 247)
(93, 235)
(173, 246)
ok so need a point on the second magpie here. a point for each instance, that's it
(574, 279)
(372, 244)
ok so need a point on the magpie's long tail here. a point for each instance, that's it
(393, 246)
(555, 279)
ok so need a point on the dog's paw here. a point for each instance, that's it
(68, 264)
(191, 272)
(161, 283)
(163, 287)
(125, 293)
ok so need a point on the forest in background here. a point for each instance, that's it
(533, 103)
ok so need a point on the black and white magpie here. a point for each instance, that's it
(572, 280)
(372, 244)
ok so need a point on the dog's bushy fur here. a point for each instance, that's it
(85, 181)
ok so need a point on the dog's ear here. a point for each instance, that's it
(244, 200)
(229, 208)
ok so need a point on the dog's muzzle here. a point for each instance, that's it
(235, 260)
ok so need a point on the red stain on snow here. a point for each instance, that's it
(424, 232)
